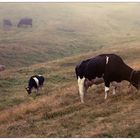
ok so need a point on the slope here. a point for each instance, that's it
(64, 29)
(57, 112)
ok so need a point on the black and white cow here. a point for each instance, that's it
(36, 82)
(109, 68)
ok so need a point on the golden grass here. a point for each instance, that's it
(60, 113)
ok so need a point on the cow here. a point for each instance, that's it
(7, 22)
(35, 82)
(109, 68)
(25, 22)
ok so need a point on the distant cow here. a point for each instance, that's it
(36, 82)
(2, 67)
(24, 22)
(7, 23)
(110, 67)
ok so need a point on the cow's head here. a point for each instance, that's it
(28, 90)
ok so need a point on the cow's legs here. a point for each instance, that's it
(114, 90)
(87, 84)
(41, 87)
(114, 84)
(106, 89)
(37, 91)
(82, 88)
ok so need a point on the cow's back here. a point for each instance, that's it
(100, 65)
(116, 68)
(41, 79)
(95, 67)
(91, 68)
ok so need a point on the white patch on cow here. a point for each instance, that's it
(106, 91)
(82, 88)
(37, 81)
(39, 75)
(107, 59)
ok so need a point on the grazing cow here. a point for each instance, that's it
(107, 67)
(24, 22)
(36, 82)
(7, 22)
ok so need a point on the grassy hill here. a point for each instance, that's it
(64, 29)
(62, 35)
(57, 112)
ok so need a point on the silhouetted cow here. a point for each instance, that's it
(7, 23)
(36, 82)
(24, 22)
(110, 67)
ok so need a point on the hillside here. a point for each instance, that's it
(64, 29)
(62, 35)
(57, 112)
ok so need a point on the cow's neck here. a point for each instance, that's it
(127, 74)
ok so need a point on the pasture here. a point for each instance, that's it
(61, 36)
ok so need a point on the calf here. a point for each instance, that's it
(36, 82)
(109, 68)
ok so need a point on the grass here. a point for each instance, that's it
(60, 33)
(129, 133)
(59, 114)
(61, 104)
(54, 50)
(41, 70)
